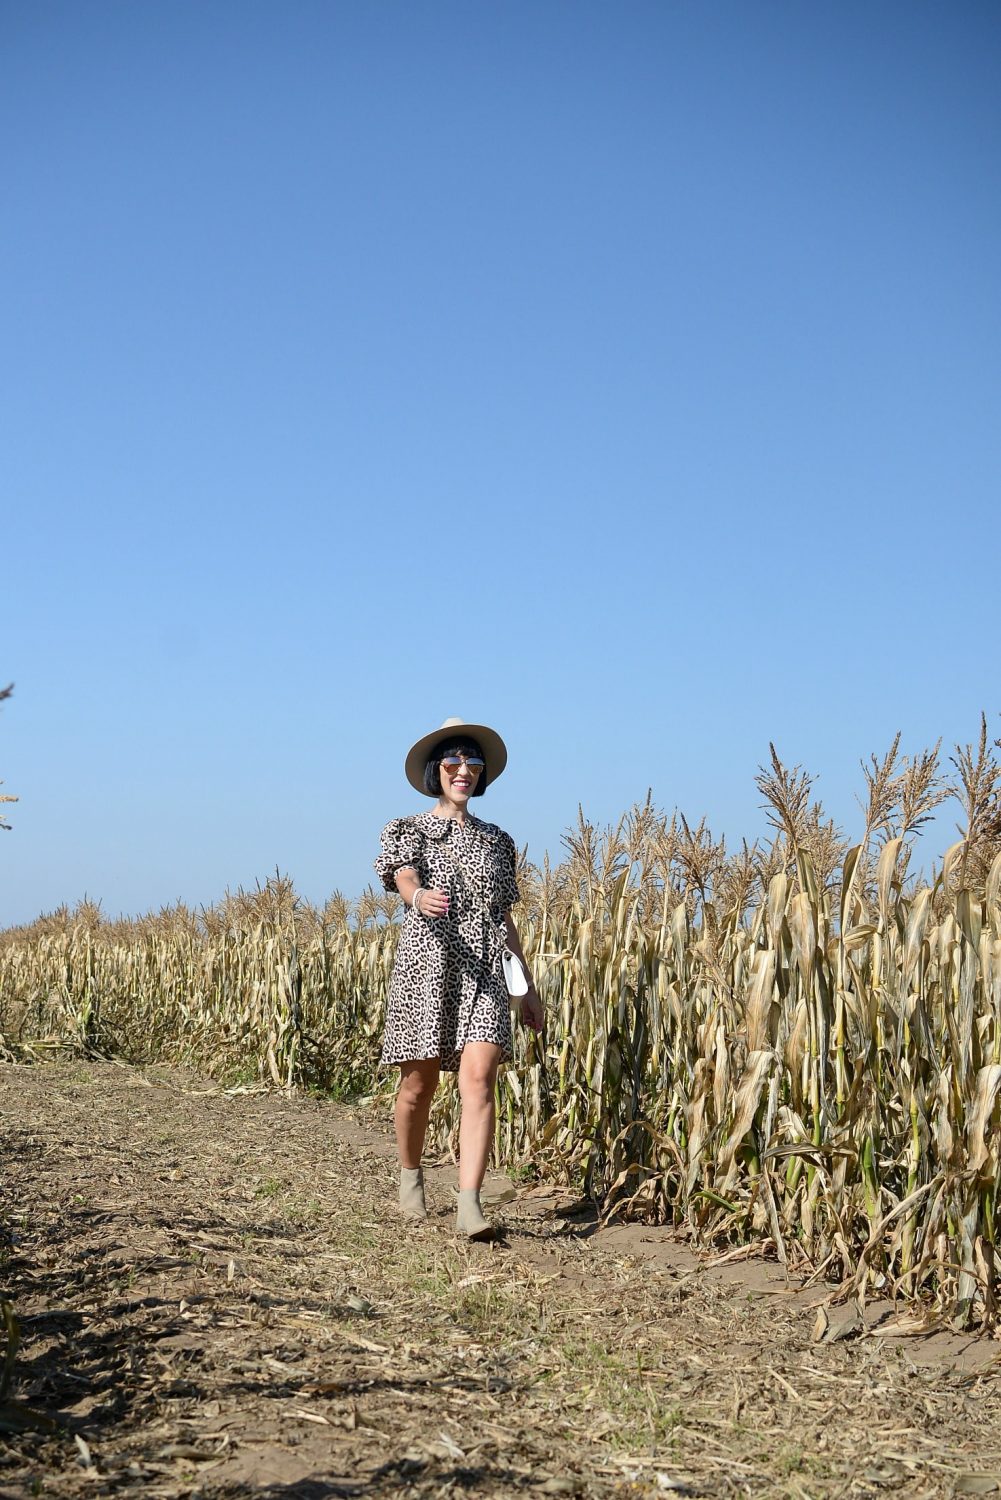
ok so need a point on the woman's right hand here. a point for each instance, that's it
(433, 903)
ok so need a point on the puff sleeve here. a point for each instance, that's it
(508, 884)
(401, 844)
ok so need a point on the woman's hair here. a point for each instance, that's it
(432, 771)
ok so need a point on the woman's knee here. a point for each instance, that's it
(418, 1082)
(477, 1079)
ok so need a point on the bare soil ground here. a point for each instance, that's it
(217, 1299)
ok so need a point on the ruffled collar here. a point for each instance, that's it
(440, 828)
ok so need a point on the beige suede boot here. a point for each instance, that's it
(469, 1219)
(412, 1193)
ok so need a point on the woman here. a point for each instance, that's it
(448, 1004)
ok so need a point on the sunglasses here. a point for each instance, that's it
(472, 763)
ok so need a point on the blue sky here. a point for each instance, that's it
(626, 377)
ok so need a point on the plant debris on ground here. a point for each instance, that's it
(216, 1299)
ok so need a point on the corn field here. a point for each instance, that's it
(799, 1042)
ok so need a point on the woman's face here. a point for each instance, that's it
(460, 773)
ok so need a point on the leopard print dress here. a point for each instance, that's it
(448, 983)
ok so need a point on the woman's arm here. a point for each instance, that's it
(531, 1005)
(433, 903)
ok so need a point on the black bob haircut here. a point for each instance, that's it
(432, 770)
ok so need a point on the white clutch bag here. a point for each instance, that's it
(514, 974)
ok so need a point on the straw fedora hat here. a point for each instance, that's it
(489, 741)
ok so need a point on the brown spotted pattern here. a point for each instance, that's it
(448, 985)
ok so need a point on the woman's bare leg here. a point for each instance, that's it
(477, 1080)
(418, 1081)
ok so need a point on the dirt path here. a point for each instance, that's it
(217, 1300)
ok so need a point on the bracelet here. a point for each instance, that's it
(414, 901)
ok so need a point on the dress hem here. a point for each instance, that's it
(449, 1063)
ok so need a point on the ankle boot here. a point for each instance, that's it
(412, 1193)
(469, 1219)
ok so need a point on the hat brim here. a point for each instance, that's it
(490, 742)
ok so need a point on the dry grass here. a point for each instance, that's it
(201, 1337)
(799, 1043)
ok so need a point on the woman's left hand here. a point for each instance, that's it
(531, 1009)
